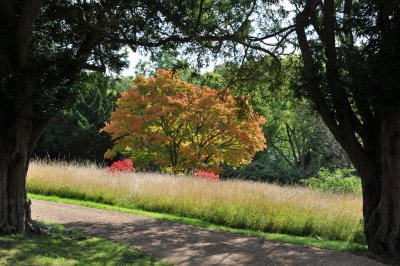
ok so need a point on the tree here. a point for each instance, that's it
(352, 66)
(47, 45)
(74, 132)
(180, 127)
(298, 141)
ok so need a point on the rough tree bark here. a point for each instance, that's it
(373, 145)
(17, 132)
(16, 148)
(12, 192)
(381, 196)
(14, 162)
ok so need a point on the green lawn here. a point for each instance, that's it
(65, 247)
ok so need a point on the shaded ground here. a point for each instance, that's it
(66, 248)
(185, 244)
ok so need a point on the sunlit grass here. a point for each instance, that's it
(238, 204)
(64, 247)
(302, 240)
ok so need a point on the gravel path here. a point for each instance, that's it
(185, 244)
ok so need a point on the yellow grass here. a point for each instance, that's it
(240, 204)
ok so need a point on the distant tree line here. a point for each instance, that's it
(74, 134)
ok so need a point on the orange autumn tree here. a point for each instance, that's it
(179, 127)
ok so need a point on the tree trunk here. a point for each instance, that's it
(13, 169)
(381, 197)
(17, 141)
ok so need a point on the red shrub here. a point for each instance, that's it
(206, 175)
(124, 166)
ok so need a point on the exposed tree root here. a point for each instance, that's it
(32, 226)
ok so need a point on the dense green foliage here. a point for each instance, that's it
(299, 144)
(75, 134)
(338, 181)
(67, 247)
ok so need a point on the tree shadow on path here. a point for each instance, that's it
(185, 244)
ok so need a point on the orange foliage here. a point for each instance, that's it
(177, 126)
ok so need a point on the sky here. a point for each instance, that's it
(133, 59)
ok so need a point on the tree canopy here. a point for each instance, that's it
(179, 127)
(74, 133)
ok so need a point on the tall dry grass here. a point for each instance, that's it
(239, 204)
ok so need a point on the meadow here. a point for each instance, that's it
(256, 206)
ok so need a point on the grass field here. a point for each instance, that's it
(238, 204)
(65, 247)
(300, 240)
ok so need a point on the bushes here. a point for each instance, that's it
(338, 181)
(206, 175)
(266, 167)
(125, 166)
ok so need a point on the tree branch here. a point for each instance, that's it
(200, 14)
(79, 13)
(348, 142)
(97, 68)
(282, 154)
(302, 20)
(7, 14)
(290, 28)
(346, 115)
(347, 10)
(288, 132)
(25, 28)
